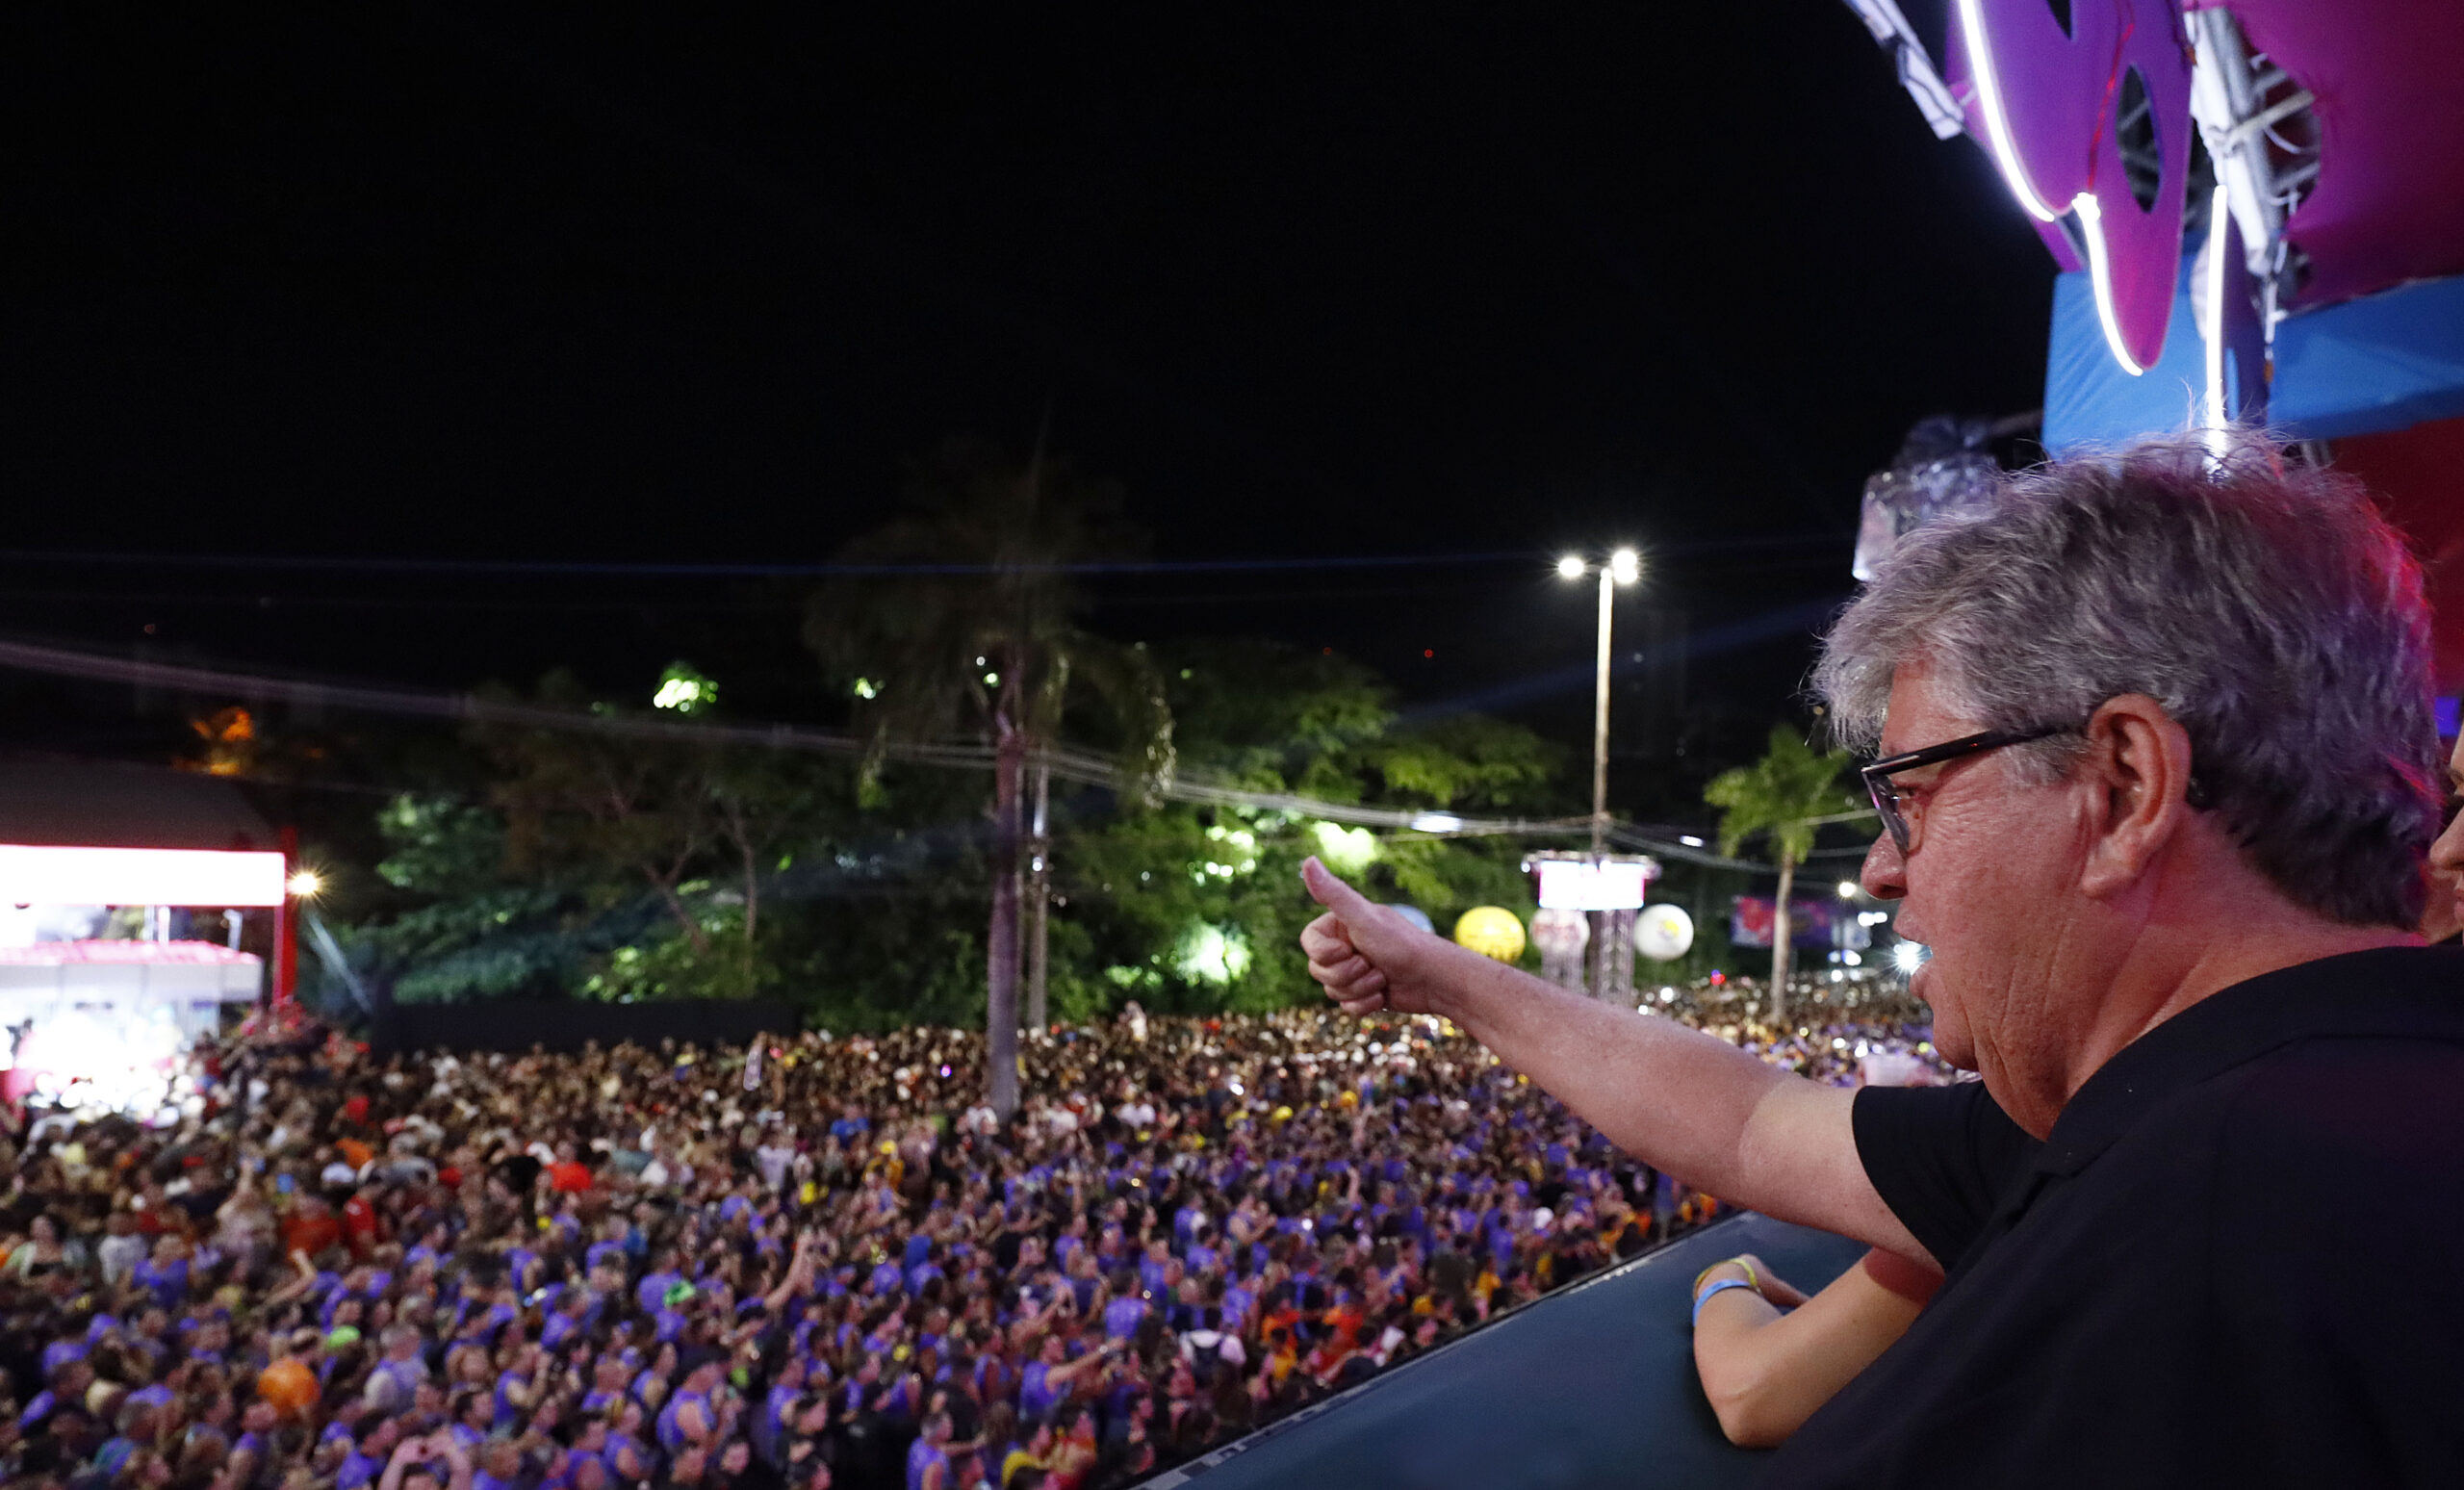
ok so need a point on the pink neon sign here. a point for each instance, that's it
(2051, 105)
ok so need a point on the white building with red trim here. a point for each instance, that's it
(137, 903)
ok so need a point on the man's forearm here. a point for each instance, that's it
(1675, 1098)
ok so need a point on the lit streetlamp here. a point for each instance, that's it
(1625, 566)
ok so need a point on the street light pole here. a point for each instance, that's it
(1622, 567)
(1599, 717)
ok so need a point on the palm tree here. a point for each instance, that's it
(1788, 793)
(991, 647)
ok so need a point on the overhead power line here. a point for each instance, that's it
(362, 698)
(1068, 762)
(629, 569)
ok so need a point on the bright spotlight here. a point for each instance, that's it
(304, 885)
(1570, 567)
(1847, 889)
(1437, 822)
(1689, 841)
(1908, 955)
(1625, 566)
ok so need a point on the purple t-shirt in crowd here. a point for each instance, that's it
(1121, 1318)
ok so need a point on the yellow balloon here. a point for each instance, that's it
(1492, 931)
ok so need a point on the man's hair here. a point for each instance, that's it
(2269, 607)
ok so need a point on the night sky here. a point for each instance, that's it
(618, 283)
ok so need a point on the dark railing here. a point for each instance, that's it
(1592, 1385)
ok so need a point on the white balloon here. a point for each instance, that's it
(1663, 931)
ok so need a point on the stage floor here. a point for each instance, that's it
(1593, 1386)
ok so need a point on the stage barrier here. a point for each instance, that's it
(1590, 1387)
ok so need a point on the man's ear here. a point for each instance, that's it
(2137, 763)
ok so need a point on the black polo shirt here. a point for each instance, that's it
(2231, 1263)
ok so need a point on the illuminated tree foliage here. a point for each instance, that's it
(1196, 908)
(870, 914)
(975, 631)
(565, 859)
(1786, 795)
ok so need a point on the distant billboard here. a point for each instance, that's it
(1809, 921)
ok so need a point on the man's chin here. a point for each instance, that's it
(1950, 1034)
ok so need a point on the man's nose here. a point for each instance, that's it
(1884, 873)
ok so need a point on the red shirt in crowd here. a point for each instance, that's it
(312, 1234)
(362, 1227)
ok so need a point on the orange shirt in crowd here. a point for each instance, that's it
(303, 1232)
(289, 1385)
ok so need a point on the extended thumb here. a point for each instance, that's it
(1330, 891)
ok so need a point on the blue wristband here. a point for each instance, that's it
(1705, 1297)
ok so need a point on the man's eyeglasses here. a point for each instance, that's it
(1887, 802)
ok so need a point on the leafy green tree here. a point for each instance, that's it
(576, 798)
(992, 647)
(1194, 907)
(760, 804)
(438, 846)
(670, 814)
(449, 922)
(1786, 794)
(569, 860)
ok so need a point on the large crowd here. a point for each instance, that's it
(808, 1262)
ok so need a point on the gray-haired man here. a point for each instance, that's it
(2156, 782)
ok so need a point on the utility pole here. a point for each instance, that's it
(1039, 900)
